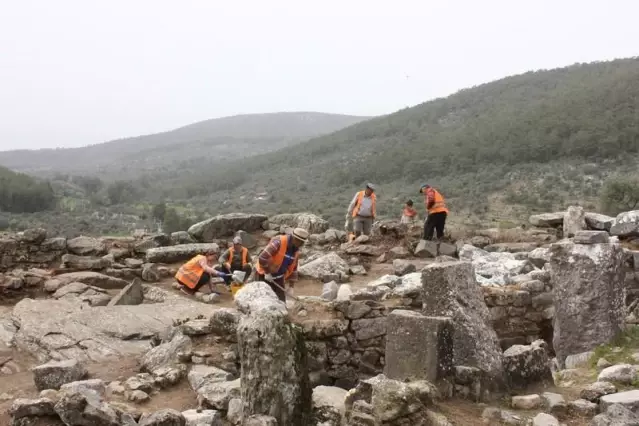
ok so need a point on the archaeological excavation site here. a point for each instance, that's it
(534, 325)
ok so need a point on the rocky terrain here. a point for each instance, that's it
(523, 326)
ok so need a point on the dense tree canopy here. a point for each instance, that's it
(21, 193)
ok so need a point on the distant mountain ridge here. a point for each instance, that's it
(231, 137)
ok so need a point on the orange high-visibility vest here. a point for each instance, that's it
(190, 273)
(278, 259)
(232, 253)
(358, 203)
(440, 204)
(410, 212)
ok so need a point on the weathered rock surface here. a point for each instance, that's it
(616, 415)
(274, 360)
(84, 262)
(580, 275)
(494, 268)
(59, 329)
(95, 279)
(84, 246)
(328, 264)
(599, 222)
(328, 404)
(591, 237)
(626, 224)
(226, 225)
(547, 220)
(595, 391)
(407, 330)
(628, 399)
(526, 364)
(450, 290)
(574, 221)
(132, 294)
(178, 253)
(403, 267)
(54, 374)
(202, 418)
(165, 417)
(312, 223)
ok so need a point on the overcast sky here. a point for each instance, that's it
(77, 72)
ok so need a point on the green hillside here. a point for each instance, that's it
(199, 145)
(533, 141)
(20, 193)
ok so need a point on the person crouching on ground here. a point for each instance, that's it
(197, 272)
(437, 212)
(409, 214)
(363, 210)
(236, 258)
(277, 263)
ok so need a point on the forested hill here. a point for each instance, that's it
(199, 145)
(20, 193)
(539, 139)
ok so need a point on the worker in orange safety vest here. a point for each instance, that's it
(437, 212)
(362, 209)
(197, 272)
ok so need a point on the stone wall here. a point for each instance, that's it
(30, 249)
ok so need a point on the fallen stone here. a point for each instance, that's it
(226, 225)
(543, 419)
(312, 223)
(83, 246)
(526, 402)
(578, 360)
(328, 404)
(83, 386)
(494, 268)
(330, 263)
(132, 294)
(165, 417)
(31, 408)
(582, 408)
(621, 373)
(84, 262)
(595, 391)
(165, 354)
(579, 274)
(547, 220)
(510, 247)
(628, 399)
(261, 420)
(56, 373)
(599, 222)
(591, 237)
(407, 330)
(555, 404)
(178, 253)
(539, 256)
(181, 237)
(94, 279)
(150, 272)
(616, 415)
(527, 364)
(399, 252)
(426, 249)
(329, 290)
(87, 409)
(202, 418)
(385, 281)
(358, 270)
(403, 267)
(626, 224)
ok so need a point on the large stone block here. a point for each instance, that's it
(588, 295)
(450, 290)
(273, 357)
(408, 330)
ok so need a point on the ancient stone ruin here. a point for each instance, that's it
(521, 327)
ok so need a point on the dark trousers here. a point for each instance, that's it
(204, 279)
(281, 294)
(227, 280)
(435, 222)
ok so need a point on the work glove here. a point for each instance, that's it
(268, 277)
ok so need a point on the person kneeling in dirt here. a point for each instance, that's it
(277, 263)
(197, 272)
(236, 258)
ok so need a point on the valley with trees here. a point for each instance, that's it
(500, 151)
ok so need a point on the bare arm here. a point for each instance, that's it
(351, 206)
(207, 268)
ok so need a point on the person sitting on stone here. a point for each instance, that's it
(197, 272)
(235, 258)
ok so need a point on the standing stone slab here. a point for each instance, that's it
(273, 358)
(450, 290)
(132, 294)
(588, 295)
(574, 221)
(418, 347)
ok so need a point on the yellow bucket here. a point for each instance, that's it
(235, 288)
